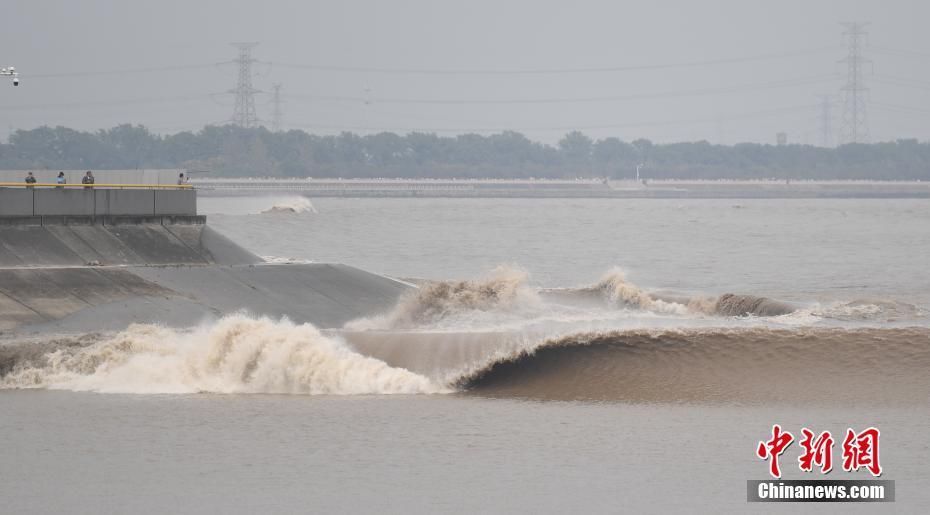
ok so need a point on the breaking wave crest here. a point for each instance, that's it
(505, 300)
(238, 354)
(616, 291)
(504, 291)
(294, 205)
(819, 365)
(619, 292)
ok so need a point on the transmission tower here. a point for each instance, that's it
(244, 105)
(277, 116)
(855, 120)
(826, 121)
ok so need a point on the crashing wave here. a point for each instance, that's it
(504, 291)
(504, 301)
(295, 205)
(617, 291)
(238, 354)
(730, 304)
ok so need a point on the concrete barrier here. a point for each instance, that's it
(171, 202)
(16, 202)
(63, 202)
(153, 176)
(81, 202)
(101, 202)
(130, 202)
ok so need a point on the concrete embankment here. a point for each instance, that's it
(110, 298)
(83, 274)
(78, 241)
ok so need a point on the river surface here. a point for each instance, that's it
(643, 398)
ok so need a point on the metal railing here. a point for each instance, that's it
(98, 186)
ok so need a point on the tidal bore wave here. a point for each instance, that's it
(708, 365)
(499, 337)
(815, 365)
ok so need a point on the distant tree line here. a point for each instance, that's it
(234, 151)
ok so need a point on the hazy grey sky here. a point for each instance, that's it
(58, 41)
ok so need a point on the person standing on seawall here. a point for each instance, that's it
(60, 180)
(30, 180)
(88, 179)
(181, 180)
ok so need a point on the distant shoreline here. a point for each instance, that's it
(546, 188)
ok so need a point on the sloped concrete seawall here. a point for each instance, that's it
(66, 272)
(99, 277)
(90, 299)
(115, 241)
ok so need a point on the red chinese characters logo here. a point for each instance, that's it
(817, 451)
(773, 448)
(860, 450)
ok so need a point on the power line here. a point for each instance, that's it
(549, 71)
(388, 100)
(900, 108)
(427, 71)
(899, 52)
(104, 103)
(855, 120)
(124, 71)
(901, 81)
(743, 116)
(362, 100)
(693, 121)
(568, 100)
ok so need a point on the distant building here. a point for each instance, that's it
(781, 138)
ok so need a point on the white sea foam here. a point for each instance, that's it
(286, 260)
(619, 292)
(237, 354)
(502, 295)
(292, 205)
